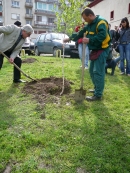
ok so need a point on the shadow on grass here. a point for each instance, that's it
(6, 114)
(105, 143)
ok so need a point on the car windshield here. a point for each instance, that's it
(59, 36)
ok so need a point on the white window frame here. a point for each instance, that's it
(15, 16)
(1, 8)
(29, 10)
(51, 5)
(29, 22)
(42, 5)
(16, 4)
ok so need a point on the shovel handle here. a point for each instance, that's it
(16, 66)
(83, 61)
(12, 62)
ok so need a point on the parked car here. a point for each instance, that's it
(28, 46)
(49, 43)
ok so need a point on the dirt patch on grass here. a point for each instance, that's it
(29, 60)
(47, 87)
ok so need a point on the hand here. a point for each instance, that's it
(85, 40)
(11, 60)
(65, 40)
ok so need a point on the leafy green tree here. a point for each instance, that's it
(69, 15)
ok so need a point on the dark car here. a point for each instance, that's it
(49, 43)
(28, 46)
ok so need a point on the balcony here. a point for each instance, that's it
(29, 4)
(45, 12)
(28, 16)
(42, 24)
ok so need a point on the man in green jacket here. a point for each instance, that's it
(98, 39)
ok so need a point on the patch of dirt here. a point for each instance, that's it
(29, 60)
(47, 87)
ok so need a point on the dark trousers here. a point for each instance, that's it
(17, 61)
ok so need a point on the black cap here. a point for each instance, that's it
(17, 23)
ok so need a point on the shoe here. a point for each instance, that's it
(93, 98)
(91, 91)
(122, 73)
(86, 68)
(128, 74)
(18, 81)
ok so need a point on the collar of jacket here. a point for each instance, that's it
(95, 20)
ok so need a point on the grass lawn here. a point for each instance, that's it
(92, 137)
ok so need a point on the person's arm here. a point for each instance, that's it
(75, 36)
(8, 29)
(14, 54)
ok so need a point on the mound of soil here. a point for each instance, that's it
(46, 87)
(29, 60)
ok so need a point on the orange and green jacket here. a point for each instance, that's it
(97, 32)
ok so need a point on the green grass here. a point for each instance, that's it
(92, 137)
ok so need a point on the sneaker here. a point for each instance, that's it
(93, 98)
(122, 73)
(128, 74)
(86, 68)
(18, 81)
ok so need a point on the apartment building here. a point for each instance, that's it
(38, 13)
(112, 10)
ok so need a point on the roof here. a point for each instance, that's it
(95, 2)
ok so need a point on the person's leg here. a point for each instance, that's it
(113, 66)
(91, 72)
(17, 74)
(106, 67)
(97, 72)
(121, 49)
(86, 56)
(117, 60)
(1, 60)
(127, 53)
(99, 75)
(80, 49)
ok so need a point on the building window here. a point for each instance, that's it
(0, 8)
(1, 19)
(39, 18)
(15, 4)
(28, 11)
(15, 16)
(29, 22)
(129, 9)
(112, 15)
(50, 7)
(50, 20)
(41, 6)
(55, 8)
(28, 1)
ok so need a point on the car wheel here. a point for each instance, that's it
(54, 51)
(37, 53)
